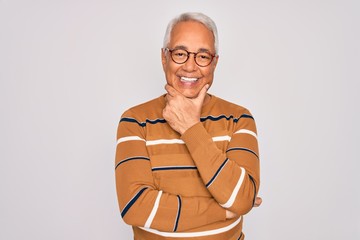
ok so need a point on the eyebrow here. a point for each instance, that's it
(185, 48)
(204, 50)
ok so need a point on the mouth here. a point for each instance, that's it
(188, 79)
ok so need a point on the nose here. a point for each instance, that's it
(190, 64)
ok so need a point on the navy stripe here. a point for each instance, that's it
(212, 118)
(131, 158)
(243, 149)
(159, 120)
(202, 119)
(243, 116)
(178, 214)
(173, 168)
(246, 116)
(217, 173)
(253, 181)
(132, 120)
(143, 124)
(132, 201)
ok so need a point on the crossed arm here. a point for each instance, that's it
(141, 203)
(183, 113)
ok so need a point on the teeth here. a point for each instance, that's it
(186, 79)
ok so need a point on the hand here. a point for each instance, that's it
(230, 215)
(181, 112)
(258, 201)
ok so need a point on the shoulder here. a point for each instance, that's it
(151, 109)
(224, 107)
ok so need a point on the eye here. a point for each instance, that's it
(204, 56)
(179, 54)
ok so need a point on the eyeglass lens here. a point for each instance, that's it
(181, 56)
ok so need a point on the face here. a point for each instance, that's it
(189, 78)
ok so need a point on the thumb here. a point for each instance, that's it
(202, 93)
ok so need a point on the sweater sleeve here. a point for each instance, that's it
(141, 203)
(233, 176)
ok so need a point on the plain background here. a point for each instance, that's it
(69, 69)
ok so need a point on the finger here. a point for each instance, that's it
(165, 113)
(167, 98)
(202, 94)
(171, 91)
(258, 201)
(230, 215)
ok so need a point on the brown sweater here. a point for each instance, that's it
(178, 187)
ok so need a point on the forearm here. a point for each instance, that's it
(142, 203)
(232, 177)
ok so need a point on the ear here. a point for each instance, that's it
(215, 61)
(163, 58)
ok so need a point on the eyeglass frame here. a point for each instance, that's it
(188, 56)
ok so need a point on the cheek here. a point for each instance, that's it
(171, 70)
(209, 73)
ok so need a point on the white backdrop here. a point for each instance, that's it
(68, 69)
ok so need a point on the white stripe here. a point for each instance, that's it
(193, 234)
(153, 211)
(164, 141)
(179, 141)
(231, 200)
(129, 138)
(247, 132)
(221, 138)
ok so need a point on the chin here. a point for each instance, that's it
(190, 94)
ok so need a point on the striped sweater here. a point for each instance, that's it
(173, 186)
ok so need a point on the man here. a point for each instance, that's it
(187, 162)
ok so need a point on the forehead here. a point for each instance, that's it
(192, 35)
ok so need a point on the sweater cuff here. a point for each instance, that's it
(196, 135)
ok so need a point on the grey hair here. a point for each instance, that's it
(192, 16)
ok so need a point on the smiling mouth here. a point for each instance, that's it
(188, 79)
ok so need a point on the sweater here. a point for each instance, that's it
(172, 186)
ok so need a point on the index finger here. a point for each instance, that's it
(171, 90)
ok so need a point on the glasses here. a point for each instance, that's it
(180, 56)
